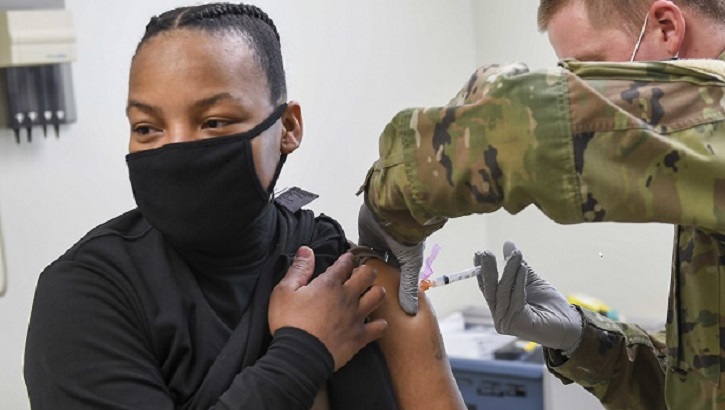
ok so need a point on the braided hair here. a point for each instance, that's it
(246, 20)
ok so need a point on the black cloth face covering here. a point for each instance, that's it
(203, 195)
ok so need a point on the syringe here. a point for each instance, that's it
(426, 284)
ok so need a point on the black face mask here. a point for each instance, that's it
(203, 195)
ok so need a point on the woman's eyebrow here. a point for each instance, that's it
(208, 102)
(149, 109)
(200, 104)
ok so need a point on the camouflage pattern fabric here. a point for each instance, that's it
(585, 142)
(617, 362)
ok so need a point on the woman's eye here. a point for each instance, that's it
(145, 133)
(214, 124)
(142, 130)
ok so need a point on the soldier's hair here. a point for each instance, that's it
(248, 21)
(629, 13)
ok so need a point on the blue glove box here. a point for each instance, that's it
(499, 384)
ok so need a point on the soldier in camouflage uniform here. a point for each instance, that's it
(587, 142)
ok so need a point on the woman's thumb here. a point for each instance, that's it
(301, 269)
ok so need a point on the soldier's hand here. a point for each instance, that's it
(407, 258)
(525, 305)
(333, 307)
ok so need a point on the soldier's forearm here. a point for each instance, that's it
(620, 364)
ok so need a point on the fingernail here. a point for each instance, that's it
(303, 253)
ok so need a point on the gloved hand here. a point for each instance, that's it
(527, 306)
(409, 259)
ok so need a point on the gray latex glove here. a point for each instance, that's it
(525, 305)
(409, 259)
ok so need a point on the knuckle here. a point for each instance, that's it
(363, 270)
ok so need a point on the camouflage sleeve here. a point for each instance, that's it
(480, 152)
(582, 143)
(621, 364)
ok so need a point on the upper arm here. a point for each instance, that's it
(413, 348)
(85, 348)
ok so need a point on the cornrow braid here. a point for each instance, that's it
(219, 10)
(249, 21)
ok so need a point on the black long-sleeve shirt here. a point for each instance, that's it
(123, 321)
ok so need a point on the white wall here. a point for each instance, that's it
(352, 65)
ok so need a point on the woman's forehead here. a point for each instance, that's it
(194, 48)
(193, 58)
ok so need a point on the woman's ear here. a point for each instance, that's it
(671, 25)
(291, 128)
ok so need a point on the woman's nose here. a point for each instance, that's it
(181, 133)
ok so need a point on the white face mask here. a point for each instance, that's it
(639, 41)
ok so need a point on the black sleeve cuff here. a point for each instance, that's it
(302, 352)
(288, 376)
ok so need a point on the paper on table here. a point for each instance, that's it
(472, 342)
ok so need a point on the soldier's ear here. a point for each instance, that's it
(291, 128)
(670, 26)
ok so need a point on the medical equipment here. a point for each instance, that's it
(594, 304)
(426, 284)
(36, 47)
